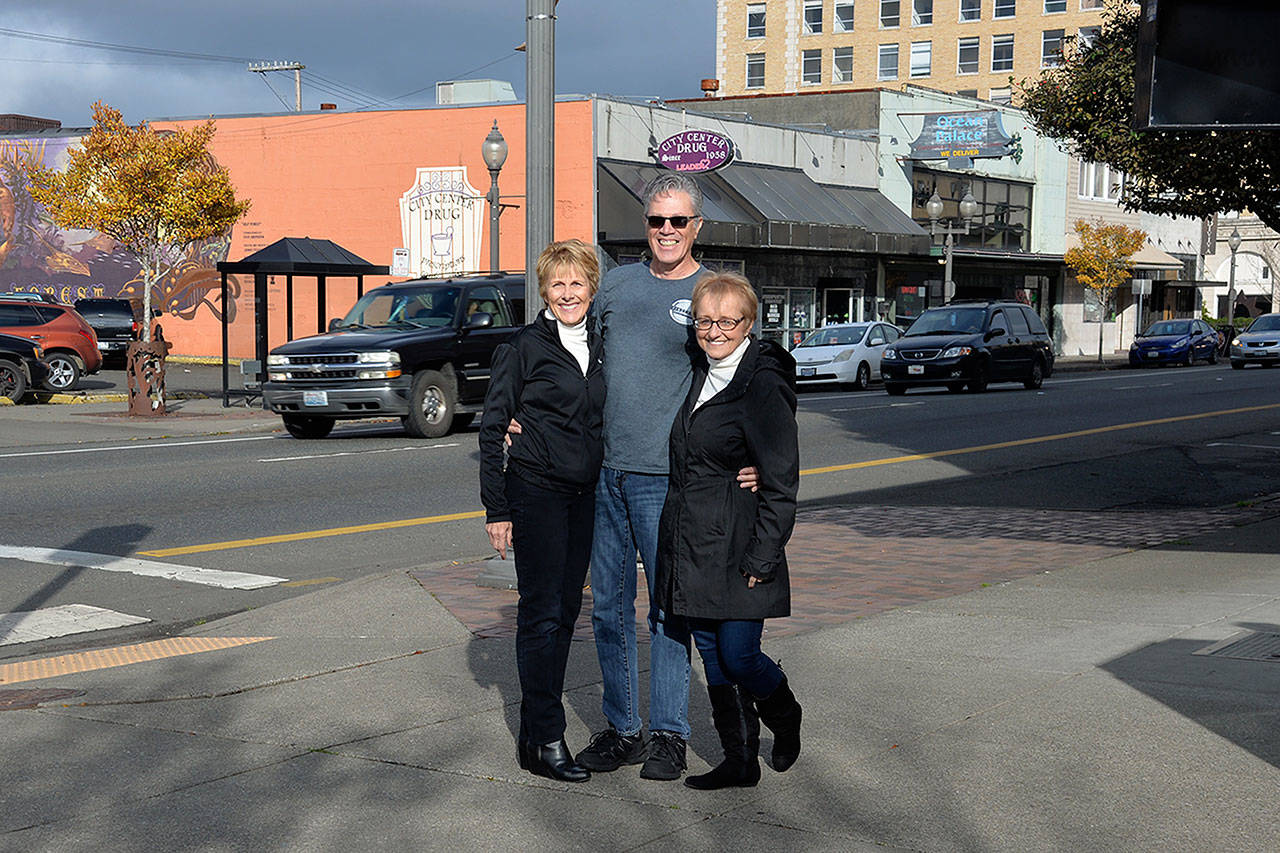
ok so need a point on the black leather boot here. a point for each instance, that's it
(781, 713)
(554, 761)
(735, 720)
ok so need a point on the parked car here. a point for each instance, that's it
(969, 344)
(69, 344)
(20, 366)
(848, 353)
(114, 321)
(420, 350)
(1174, 342)
(1258, 344)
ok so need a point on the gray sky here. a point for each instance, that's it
(381, 49)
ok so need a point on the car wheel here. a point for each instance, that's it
(13, 382)
(894, 389)
(1036, 377)
(1189, 358)
(431, 405)
(862, 381)
(303, 427)
(1237, 365)
(981, 378)
(64, 371)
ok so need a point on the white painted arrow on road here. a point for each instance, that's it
(133, 566)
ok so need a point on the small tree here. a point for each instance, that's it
(1101, 261)
(155, 193)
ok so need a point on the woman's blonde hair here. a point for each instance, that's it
(568, 253)
(721, 284)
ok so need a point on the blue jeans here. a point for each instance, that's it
(730, 651)
(628, 508)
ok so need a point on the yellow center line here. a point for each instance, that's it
(1040, 439)
(827, 469)
(34, 670)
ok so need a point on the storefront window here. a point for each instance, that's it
(1003, 221)
(787, 313)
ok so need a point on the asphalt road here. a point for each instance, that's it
(270, 504)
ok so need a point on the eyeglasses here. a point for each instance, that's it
(724, 324)
(676, 221)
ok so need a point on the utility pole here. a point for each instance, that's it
(540, 142)
(295, 67)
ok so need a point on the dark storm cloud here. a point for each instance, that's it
(357, 54)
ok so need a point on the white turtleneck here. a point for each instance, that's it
(574, 339)
(721, 373)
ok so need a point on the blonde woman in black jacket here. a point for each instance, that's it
(549, 378)
(720, 549)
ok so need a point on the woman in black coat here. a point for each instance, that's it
(721, 561)
(549, 378)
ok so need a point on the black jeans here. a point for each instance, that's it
(551, 533)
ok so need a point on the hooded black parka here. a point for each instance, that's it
(714, 534)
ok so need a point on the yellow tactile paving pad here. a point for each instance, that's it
(33, 670)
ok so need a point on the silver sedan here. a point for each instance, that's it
(1258, 344)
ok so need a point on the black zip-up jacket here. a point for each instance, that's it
(536, 380)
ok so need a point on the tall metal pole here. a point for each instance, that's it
(297, 89)
(494, 212)
(540, 39)
(948, 286)
(1233, 243)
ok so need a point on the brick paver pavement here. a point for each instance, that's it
(848, 562)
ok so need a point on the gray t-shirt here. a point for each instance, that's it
(646, 323)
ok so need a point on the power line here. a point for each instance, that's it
(104, 45)
(274, 92)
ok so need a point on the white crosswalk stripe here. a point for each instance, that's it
(32, 625)
(148, 568)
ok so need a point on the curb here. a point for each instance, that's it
(71, 399)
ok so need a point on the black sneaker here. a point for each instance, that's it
(666, 757)
(609, 750)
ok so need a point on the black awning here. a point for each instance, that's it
(758, 206)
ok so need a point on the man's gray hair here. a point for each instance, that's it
(674, 182)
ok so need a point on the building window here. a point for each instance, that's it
(921, 12)
(842, 65)
(1086, 5)
(811, 66)
(1003, 221)
(1086, 36)
(967, 93)
(812, 17)
(1099, 182)
(887, 69)
(755, 21)
(844, 17)
(755, 70)
(921, 58)
(1051, 48)
(967, 53)
(890, 13)
(970, 10)
(1001, 96)
(1002, 53)
(1005, 9)
(1053, 6)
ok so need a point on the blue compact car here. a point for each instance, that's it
(1175, 342)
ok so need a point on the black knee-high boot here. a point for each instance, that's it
(739, 730)
(781, 713)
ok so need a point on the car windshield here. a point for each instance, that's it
(1168, 327)
(834, 336)
(404, 307)
(1265, 323)
(944, 320)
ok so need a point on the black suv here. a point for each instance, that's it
(114, 321)
(420, 350)
(21, 367)
(969, 344)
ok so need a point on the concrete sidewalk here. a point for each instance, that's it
(1051, 702)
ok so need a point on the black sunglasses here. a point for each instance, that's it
(676, 221)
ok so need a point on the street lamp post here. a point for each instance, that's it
(968, 209)
(1233, 243)
(494, 152)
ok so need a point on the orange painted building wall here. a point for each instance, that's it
(340, 176)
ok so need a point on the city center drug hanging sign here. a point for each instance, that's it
(695, 151)
(961, 136)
